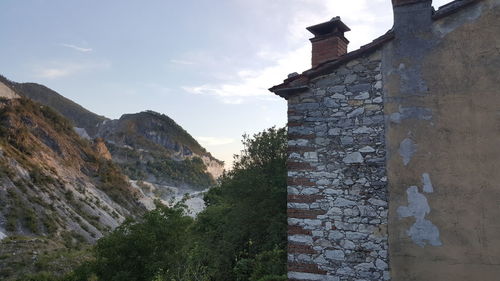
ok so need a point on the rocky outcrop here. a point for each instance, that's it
(152, 129)
(102, 149)
(134, 138)
(6, 92)
(151, 137)
(214, 166)
(170, 195)
(52, 182)
(67, 181)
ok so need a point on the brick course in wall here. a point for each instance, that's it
(337, 197)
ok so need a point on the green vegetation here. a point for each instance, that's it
(26, 124)
(39, 258)
(158, 163)
(58, 122)
(19, 212)
(38, 177)
(114, 184)
(6, 170)
(154, 135)
(167, 126)
(191, 171)
(244, 224)
(10, 134)
(240, 236)
(36, 146)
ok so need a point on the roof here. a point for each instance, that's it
(298, 83)
(452, 7)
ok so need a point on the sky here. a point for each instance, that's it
(206, 64)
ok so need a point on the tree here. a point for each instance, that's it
(240, 236)
(242, 232)
(138, 251)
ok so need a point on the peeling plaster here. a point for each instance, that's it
(448, 26)
(423, 231)
(412, 112)
(426, 180)
(407, 149)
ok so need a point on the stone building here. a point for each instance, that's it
(394, 149)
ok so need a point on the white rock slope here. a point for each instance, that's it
(6, 92)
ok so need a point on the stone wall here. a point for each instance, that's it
(337, 197)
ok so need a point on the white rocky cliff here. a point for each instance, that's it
(6, 92)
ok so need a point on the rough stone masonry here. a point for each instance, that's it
(382, 144)
(337, 203)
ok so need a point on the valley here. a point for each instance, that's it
(68, 176)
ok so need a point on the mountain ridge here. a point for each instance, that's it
(128, 132)
(63, 187)
(82, 117)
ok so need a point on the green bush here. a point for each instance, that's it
(240, 236)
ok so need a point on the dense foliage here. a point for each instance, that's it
(240, 236)
(242, 233)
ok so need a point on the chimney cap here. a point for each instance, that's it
(333, 25)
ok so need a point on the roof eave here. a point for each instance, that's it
(297, 83)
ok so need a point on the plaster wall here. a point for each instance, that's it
(442, 106)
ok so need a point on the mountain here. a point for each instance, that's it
(51, 175)
(81, 117)
(149, 147)
(57, 190)
(152, 147)
(69, 176)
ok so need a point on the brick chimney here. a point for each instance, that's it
(328, 42)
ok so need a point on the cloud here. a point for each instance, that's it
(77, 48)
(291, 52)
(182, 62)
(253, 84)
(367, 19)
(54, 70)
(213, 141)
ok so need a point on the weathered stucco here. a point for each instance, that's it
(443, 153)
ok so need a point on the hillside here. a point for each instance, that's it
(152, 147)
(81, 117)
(56, 189)
(241, 235)
(69, 176)
(148, 146)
